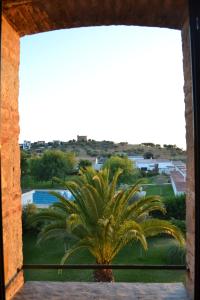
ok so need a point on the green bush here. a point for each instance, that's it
(28, 211)
(53, 163)
(175, 207)
(129, 174)
(180, 224)
(28, 182)
(176, 254)
(148, 173)
(84, 163)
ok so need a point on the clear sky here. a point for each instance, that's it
(119, 83)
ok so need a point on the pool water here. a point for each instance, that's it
(45, 198)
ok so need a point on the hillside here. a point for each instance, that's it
(91, 149)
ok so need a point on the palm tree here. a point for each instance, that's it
(101, 218)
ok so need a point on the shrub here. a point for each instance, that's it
(84, 163)
(53, 163)
(129, 172)
(180, 224)
(149, 173)
(176, 254)
(176, 207)
(28, 211)
(148, 155)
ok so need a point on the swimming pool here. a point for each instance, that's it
(43, 198)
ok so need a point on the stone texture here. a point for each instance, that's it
(190, 195)
(33, 16)
(101, 291)
(11, 193)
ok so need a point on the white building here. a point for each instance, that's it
(57, 142)
(27, 198)
(178, 178)
(180, 167)
(99, 163)
(163, 165)
(178, 183)
(135, 157)
(81, 138)
(26, 145)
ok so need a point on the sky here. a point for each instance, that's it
(118, 83)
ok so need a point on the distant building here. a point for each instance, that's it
(56, 142)
(178, 178)
(99, 163)
(123, 143)
(176, 170)
(40, 150)
(180, 167)
(135, 157)
(81, 138)
(178, 183)
(26, 145)
(163, 165)
(40, 143)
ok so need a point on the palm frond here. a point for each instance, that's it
(69, 205)
(46, 215)
(101, 218)
(76, 247)
(51, 232)
(60, 207)
(145, 204)
(154, 227)
(114, 183)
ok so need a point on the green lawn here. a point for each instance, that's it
(162, 190)
(52, 251)
(158, 179)
(28, 182)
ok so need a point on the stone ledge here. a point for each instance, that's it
(37, 290)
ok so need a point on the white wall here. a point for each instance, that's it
(27, 198)
(97, 166)
(162, 166)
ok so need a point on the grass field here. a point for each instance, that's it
(158, 179)
(52, 251)
(162, 190)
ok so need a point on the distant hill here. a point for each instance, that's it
(91, 149)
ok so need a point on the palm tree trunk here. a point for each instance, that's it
(103, 275)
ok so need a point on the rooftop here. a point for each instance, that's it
(153, 161)
(179, 181)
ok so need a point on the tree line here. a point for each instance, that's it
(60, 164)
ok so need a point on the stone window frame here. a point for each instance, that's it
(194, 23)
(194, 14)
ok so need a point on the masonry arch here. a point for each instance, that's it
(25, 17)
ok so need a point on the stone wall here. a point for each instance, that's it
(190, 198)
(11, 158)
(11, 193)
(30, 17)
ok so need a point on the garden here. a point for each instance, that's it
(160, 252)
(162, 248)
